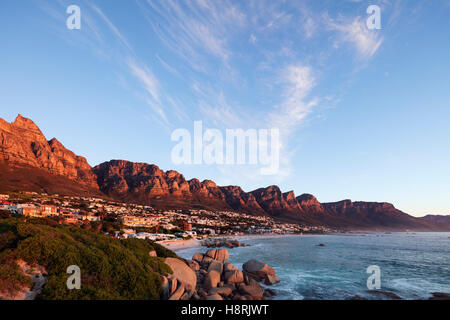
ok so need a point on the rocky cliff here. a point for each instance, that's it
(148, 184)
(29, 162)
(23, 145)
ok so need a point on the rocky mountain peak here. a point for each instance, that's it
(23, 144)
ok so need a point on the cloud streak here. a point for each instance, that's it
(355, 32)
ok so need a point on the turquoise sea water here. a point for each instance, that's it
(412, 264)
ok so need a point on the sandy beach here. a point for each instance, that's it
(179, 244)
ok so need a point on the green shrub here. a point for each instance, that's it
(110, 268)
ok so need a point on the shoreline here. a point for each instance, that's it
(180, 244)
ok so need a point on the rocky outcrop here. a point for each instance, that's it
(23, 144)
(278, 204)
(309, 203)
(222, 242)
(218, 279)
(149, 184)
(38, 277)
(384, 294)
(440, 296)
(258, 270)
(183, 280)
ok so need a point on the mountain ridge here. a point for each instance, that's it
(23, 146)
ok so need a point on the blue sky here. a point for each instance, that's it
(364, 114)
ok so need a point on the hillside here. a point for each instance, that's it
(110, 268)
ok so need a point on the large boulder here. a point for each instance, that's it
(183, 273)
(254, 290)
(234, 276)
(173, 284)
(221, 255)
(223, 291)
(211, 253)
(216, 265)
(270, 279)
(211, 280)
(198, 257)
(178, 292)
(229, 267)
(258, 269)
(193, 265)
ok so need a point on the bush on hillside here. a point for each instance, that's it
(110, 268)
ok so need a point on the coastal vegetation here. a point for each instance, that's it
(110, 268)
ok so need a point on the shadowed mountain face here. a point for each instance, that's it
(29, 162)
(440, 220)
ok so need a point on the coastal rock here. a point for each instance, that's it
(178, 292)
(211, 253)
(229, 267)
(185, 296)
(165, 285)
(193, 265)
(173, 284)
(271, 279)
(183, 273)
(253, 290)
(198, 257)
(223, 291)
(221, 255)
(258, 269)
(234, 276)
(386, 294)
(358, 297)
(211, 280)
(214, 297)
(440, 296)
(216, 265)
(268, 293)
(216, 243)
(206, 260)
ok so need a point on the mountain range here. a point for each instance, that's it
(30, 162)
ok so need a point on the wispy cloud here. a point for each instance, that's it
(167, 66)
(193, 29)
(365, 41)
(298, 81)
(146, 77)
(111, 26)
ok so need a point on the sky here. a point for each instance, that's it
(363, 114)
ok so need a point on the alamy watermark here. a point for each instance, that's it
(74, 280)
(236, 147)
(73, 22)
(374, 280)
(374, 20)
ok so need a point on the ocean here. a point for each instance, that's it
(413, 265)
